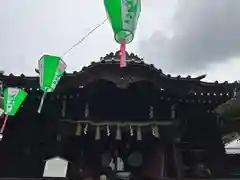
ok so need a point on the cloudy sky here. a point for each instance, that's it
(179, 36)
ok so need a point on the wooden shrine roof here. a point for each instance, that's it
(136, 71)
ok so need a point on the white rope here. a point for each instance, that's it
(84, 37)
(164, 123)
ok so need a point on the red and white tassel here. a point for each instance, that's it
(123, 54)
(4, 124)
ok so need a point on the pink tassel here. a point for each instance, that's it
(122, 51)
(4, 124)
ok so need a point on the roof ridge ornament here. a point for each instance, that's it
(117, 55)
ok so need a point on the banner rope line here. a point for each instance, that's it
(84, 37)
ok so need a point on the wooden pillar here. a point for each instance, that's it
(154, 166)
(162, 163)
(178, 162)
(173, 111)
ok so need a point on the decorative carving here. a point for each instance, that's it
(173, 111)
(151, 112)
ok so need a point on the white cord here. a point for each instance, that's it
(120, 123)
(84, 37)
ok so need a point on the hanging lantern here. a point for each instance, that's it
(13, 98)
(123, 15)
(51, 69)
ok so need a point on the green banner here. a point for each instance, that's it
(13, 98)
(123, 15)
(51, 69)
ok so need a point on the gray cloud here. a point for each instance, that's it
(30, 28)
(205, 32)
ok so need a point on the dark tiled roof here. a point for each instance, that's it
(137, 70)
